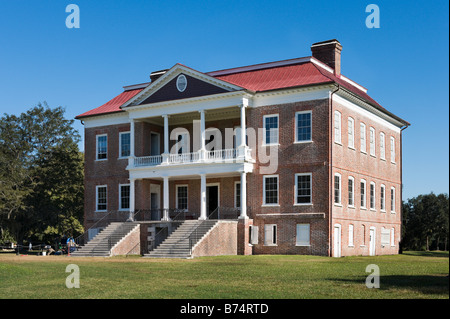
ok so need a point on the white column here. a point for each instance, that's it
(243, 196)
(132, 199)
(203, 196)
(202, 135)
(165, 199)
(166, 139)
(132, 147)
(242, 148)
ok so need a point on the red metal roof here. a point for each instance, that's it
(113, 105)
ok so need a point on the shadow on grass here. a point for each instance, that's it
(427, 253)
(425, 284)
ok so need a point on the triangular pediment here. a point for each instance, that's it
(181, 82)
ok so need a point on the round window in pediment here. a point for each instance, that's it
(181, 83)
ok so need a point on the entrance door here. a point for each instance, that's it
(154, 202)
(337, 241)
(154, 144)
(372, 242)
(212, 199)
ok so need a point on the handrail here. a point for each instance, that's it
(193, 235)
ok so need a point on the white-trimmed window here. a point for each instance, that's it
(363, 233)
(303, 126)
(237, 194)
(182, 197)
(392, 149)
(382, 146)
(303, 235)
(351, 191)
(351, 133)
(385, 236)
(337, 189)
(392, 199)
(362, 129)
(270, 234)
(124, 144)
(270, 190)
(337, 127)
(350, 235)
(270, 126)
(102, 147)
(383, 198)
(372, 141)
(392, 237)
(372, 195)
(101, 198)
(124, 196)
(303, 189)
(363, 193)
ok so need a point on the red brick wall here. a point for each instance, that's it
(221, 240)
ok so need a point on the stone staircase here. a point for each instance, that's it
(177, 244)
(101, 245)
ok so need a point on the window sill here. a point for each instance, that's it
(270, 205)
(373, 210)
(351, 206)
(270, 245)
(352, 148)
(383, 159)
(272, 144)
(382, 211)
(122, 158)
(302, 142)
(393, 163)
(363, 208)
(374, 156)
(101, 211)
(303, 204)
(364, 152)
(351, 246)
(338, 143)
(299, 245)
(101, 160)
(392, 212)
(338, 205)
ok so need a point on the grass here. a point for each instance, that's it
(411, 275)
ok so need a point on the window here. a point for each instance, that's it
(303, 189)
(237, 194)
(351, 191)
(124, 141)
(363, 237)
(124, 196)
(303, 126)
(270, 235)
(337, 188)
(372, 141)
(253, 235)
(101, 198)
(363, 193)
(303, 235)
(337, 127)
(271, 129)
(102, 147)
(182, 197)
(351, 133)
(383, 198)
(350, 235)
(392, 149)
(270, 190)
(382, 146)
(392, 199)
(385, 236)
(372, 195)
(362, 129)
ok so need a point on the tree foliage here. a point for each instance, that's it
(425, 222)
(41, 175)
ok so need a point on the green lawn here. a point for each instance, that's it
(411, 275)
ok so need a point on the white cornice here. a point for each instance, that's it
(106, 119)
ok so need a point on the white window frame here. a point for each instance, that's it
(392, 237)
(351, 133)
(363, 198)
(264, 190)
(374, 196)
(265, 133)
(300, 228)
(120, 197)
(382, 146)
(393, 200)
(296, 203)
(363, 138)
(120, 144)
(187, 195)
(97, 187)
(372, 143)
(351, 196)
(351, 230)
(337, 127)
(296, 140)
(339, 203)
(270, 229)
(235, 195)
(383, 198)
(97, 145)
(392, 149)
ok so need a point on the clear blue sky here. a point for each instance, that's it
(404, 63)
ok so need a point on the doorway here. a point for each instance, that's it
(154, 144)
(155, 195)
(212, 199)
(337, 241)
(372, 241)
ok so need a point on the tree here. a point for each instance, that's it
(41, 175)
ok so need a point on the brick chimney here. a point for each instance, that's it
(328, 52)
(156, 74)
